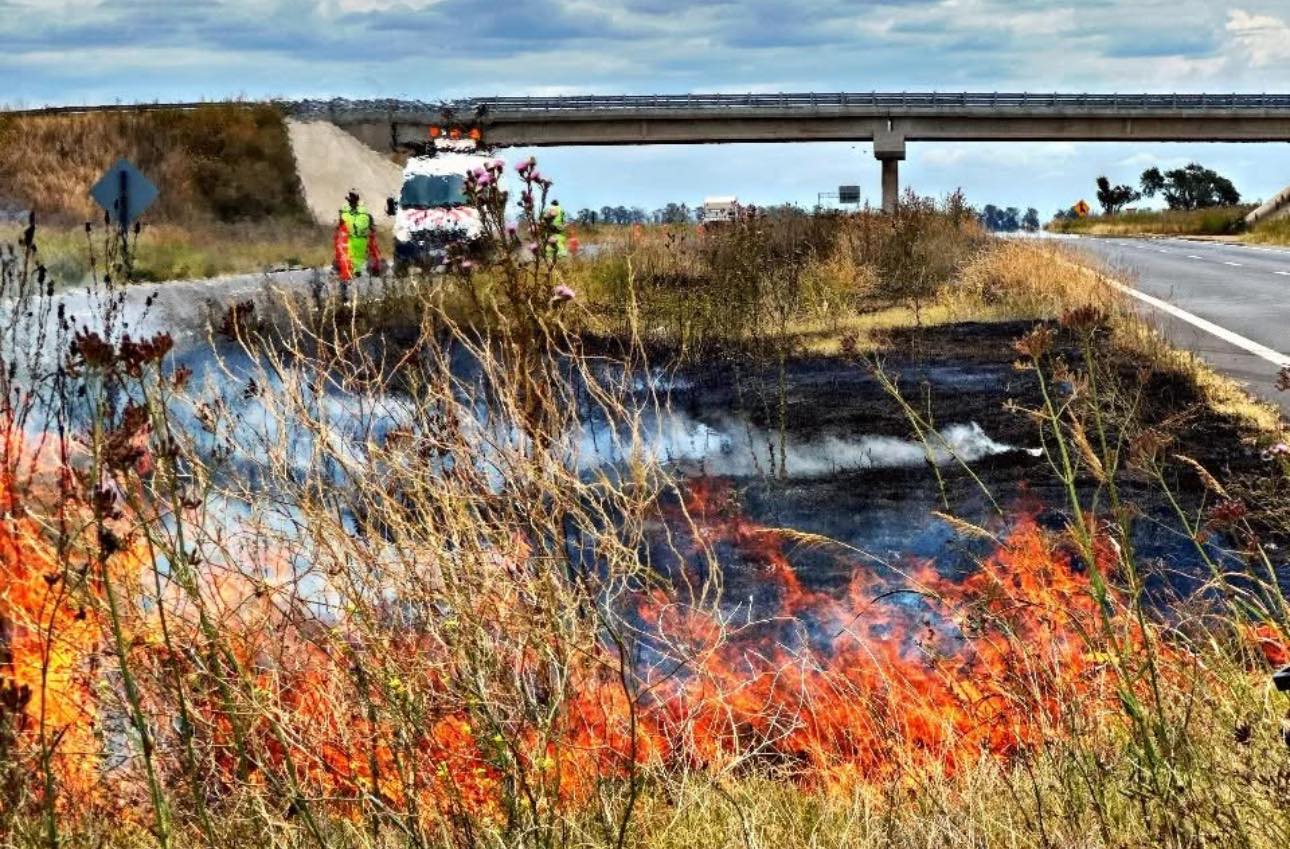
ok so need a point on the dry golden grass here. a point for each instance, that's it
(1026, 279)
(1275, 231)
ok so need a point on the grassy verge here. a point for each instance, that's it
(179, 252)
(352, 599)
(1222, 221)
(1272, 232)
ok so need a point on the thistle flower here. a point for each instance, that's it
(561, 293)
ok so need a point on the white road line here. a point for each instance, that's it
(1234, 264)
(1162, 250)
(1282, 273)
(1277, 358)
(1193, 256)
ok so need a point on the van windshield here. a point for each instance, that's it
(425, 191)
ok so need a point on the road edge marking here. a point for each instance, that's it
(1263, 352)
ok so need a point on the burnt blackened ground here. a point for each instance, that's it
(954, 374)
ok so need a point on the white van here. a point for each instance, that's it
(432, 211)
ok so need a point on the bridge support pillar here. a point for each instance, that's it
(889, 149)
(890, 185)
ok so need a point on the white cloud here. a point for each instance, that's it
(1265, 40)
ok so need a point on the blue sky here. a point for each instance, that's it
(97, 51)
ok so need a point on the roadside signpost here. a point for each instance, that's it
(1082, 209)
(125, 193)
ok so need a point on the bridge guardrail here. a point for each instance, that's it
(1002, 102)
(904, 100)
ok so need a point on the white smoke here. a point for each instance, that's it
(732, 447)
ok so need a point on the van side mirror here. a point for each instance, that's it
(391, 206)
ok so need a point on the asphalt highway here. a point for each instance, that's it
(1227, 303)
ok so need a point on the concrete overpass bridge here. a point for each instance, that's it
(890, 121)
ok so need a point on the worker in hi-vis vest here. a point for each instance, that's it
(355, 242)
(555, 213)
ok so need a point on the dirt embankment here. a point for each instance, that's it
(330, 162)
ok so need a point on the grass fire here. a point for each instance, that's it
(836, 529)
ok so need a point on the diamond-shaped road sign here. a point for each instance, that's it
(124, 192)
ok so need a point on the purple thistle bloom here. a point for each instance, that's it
(562, 293)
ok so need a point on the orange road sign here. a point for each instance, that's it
(1082, 209)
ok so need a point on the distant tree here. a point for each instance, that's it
(784, 210)
(607, 215)
(1001, 220)
(587, 216)
(673, 213)
(1114, 198)
(1193, 187)
(1031, 222)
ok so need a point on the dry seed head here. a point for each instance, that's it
(1211, 483)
